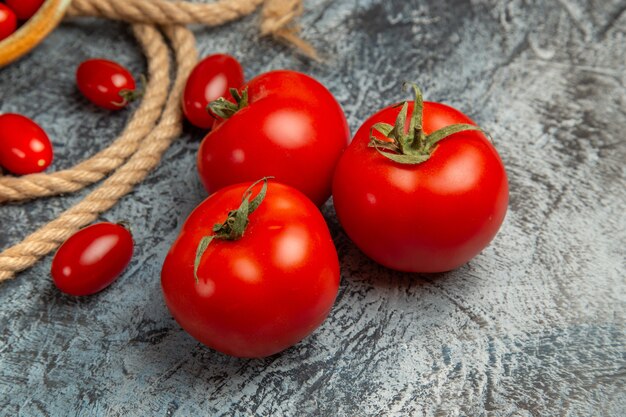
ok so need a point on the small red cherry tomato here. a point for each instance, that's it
(210, 79)
(92, 258)
(24, 146)
(106, 84)
(25, 9)
(8, 21)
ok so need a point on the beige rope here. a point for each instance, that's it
(279, 17)
(164, 12)
(133, 155)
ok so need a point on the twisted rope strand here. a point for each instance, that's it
(163, 12)
(279, 18)
(107, 160)
(278, 15)
(49, 237)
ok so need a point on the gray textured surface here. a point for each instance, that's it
(534, 326)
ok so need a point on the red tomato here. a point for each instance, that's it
(428, 216)
(290, 127)
(24, 146)
(262, 293)
(106, 84)
(92, 259)
(8, 22)
(211, 79)
(25, 9)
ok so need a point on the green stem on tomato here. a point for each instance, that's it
(235, 224)
(412, 145)
(225, 108)
(128, 96)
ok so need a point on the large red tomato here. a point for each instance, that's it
(420, 198)
(266, 274)
(286, 125)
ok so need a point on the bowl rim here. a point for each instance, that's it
(31, 33)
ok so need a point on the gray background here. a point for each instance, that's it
(534, 326)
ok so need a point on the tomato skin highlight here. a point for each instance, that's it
(293, 129)
(263, 293)
(25, 9)
(8, 21)
(101, 81)
(24, 146)
(430, 217)
(92, 259)
(210, 79)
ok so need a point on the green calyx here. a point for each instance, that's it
(224, 108)
(236, 222)
(128, 96)
(412, 145)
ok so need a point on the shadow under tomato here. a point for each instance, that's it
(172, 358)
(193, 133)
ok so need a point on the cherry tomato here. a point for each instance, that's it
(8, 21)
(106, 84)
(25, 9)
(261, 291)
(286, 125)
(434, 207)
(211, 79)
(92, 258)
(24, 146)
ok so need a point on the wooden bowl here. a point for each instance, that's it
(33, 31)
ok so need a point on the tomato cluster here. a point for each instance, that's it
(420, 188)
(15, 12)
(254, 269)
